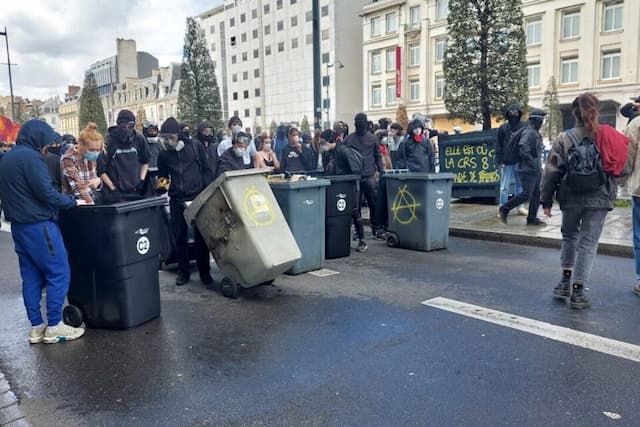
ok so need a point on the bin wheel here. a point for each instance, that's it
(72, 316)
(228, 288)
(392, 240)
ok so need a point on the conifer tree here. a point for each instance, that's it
(199, 96)
(141, 117)
(304, 126)
(485, 60)
(401, 116)
(91, 109)
(553, 125)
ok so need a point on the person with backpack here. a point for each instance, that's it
(529, 168)
(632, 131)
(585, 187)
(507, 155)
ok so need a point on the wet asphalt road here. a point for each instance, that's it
(355, 349)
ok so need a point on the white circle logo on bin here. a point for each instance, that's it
(143, 245)
(342, 205)
(439, 203)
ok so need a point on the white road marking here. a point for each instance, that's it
(536, 327)
(323, 272)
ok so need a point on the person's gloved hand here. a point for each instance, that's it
(140, 187)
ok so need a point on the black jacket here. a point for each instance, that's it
(124, 159)
(228, 161)
(530, 151)
(504, 133)
(188, 170)
(55, 172)
(292, 161)
(367, 145)
(417, 156)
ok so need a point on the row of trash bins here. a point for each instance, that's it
(256, 228)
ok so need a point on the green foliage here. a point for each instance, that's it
(304, 126)
(90, 105)
(273, 127)
(141, 117)
(199, 96)
(485, 61)
(401, 116)
(553, 125)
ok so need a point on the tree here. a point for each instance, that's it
(90, 105)
(304, 126)
(485, 60)
(199, 96)
(401, 116)
(552, 127)
(273, 127)
(141, 117)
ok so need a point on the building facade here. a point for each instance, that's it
(586, 46)
(49, 112)
(69, 112)
(263, 56)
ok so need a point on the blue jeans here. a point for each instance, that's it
(581, 229)
(635, 214)
(43, 263)
(507, 174)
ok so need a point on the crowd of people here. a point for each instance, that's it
(44, 173)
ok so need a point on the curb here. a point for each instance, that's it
(10, 414)
(604, 248)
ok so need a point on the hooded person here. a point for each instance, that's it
(184, 170)
(150, 132)
(32, 205)
(507, 158)
(235, 125)
(280, 140)
(206, 135)
(416, 151)
(233, 158)
(124, 167)
(367, 145)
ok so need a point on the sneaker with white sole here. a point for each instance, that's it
(522, 211)
(62, 332)
(37, 334)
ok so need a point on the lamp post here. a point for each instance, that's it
(340, 66)
(13, 105)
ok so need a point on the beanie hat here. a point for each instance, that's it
(125, 116)
(170, 126)
(627, 110)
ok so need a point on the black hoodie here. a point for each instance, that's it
(188, 170)
(124, 159)
(504, 133)
(367, 144)
(417, 156)
(210, 147)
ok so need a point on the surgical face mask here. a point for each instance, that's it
(236, 129)
(171, 144)
(324, 148)
(91, 156)
(267, 147)
(417, 131)
(153, 139)
(295, 139)
(239, 152)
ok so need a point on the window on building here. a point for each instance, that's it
(414, 55)
(246, 94)
(294, 43)
(391, 93)
(235, 113)
(612, 16)
(233, 40)
(258, 112)
(293, 2)
(376, 26)
(267, 9)
(234, 77)
(324, 11)
(280, 25)
(325, 81)
(243, 37)
(267, 50)
(376, 96)
(414, 16)
(441, 47)
(245, 75)
(294, 21)
(325, 34)
(325, 58)
(442, 9)
(533, 72)
(281, 47)
(610, 65)
(212, 29)
(243, 18)
(376, 65)
(232, 22)
(244, 56)
(278, 4)
(254, 14)
(257, 92)
(392, 22)
(309, 38)
(256, 73)
(213, 47)
(255, 33)
(308, 16)
(534, 31)
(234, 59)
(414, 90)
(256, 53)
(326, 103)
(569, 70)
(246, 112)
(235, 96)
(571, 24)
(440, 87)
(391, 59)
(267, 30)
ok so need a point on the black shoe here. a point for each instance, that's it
(536, 221)
(182, 279)
(379, 235)
(503, 215)
(206, 279)
(578, 299)
(563, 290)
(362, 246)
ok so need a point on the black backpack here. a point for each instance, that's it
(584, 165)
(355, 159)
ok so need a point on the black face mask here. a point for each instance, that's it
(207, 138)
(122, 134)
(184, 136)
(54, 150)
(361, 127)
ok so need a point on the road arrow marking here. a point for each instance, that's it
(536, 327)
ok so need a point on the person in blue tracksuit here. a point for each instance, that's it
(31, 205)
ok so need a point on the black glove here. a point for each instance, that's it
(140, 187)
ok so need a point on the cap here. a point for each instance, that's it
(536, 112)
(125, 116)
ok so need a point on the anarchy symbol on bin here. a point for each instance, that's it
(404, 207)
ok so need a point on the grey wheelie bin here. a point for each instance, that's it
(418, 210)
(114, 253)
(342, 199)
(244, 229)
(303, 205)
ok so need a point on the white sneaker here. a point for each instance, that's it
(62, 332)
(522, 211)
(499, 216)
(37, 334)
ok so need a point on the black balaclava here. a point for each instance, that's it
(362, 124)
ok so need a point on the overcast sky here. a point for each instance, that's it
(53, 43)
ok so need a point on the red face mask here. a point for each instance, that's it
(418, 138)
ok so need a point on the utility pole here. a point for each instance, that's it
(317, 84)
(13, 104)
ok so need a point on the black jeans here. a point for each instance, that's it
(180, 230)
(530, 191)
(368, 190)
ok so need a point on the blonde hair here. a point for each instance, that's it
(90, 133)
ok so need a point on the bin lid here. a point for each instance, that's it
(419, 175)
(133, 205)
(335, 178)
(300, 184)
